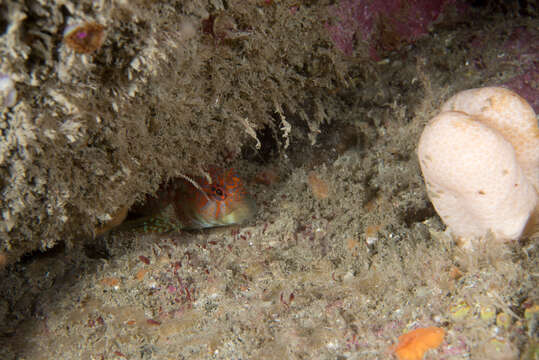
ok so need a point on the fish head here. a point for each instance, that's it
(222, 201)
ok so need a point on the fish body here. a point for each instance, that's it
(183, 205)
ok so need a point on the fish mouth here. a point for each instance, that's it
(236, 214)
(241, 213)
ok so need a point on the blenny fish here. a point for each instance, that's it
(191, 204)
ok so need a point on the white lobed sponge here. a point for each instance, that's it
(480, 161)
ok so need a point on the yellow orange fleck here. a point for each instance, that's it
(455, 273)
(372, 230)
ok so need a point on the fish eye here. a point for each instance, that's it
(218, 191)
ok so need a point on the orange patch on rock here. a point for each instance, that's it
(414, 344)
(3, 260)
(140, 274)
(353, 246)
(110, 281)
(116, 219)
(85, 38)
(455, 273)
(319, 187)
(371, 233)
(267, 177)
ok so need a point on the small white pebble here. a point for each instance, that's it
(8, 94)
(332, 345)
(349, 276)
(371, 240)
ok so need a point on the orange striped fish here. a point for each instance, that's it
(196, 204)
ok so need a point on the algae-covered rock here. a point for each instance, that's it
(163, 90)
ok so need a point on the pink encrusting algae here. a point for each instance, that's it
(366, 21)
(522, 47)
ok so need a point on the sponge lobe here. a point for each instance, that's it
(510, 115)
(474, 174)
